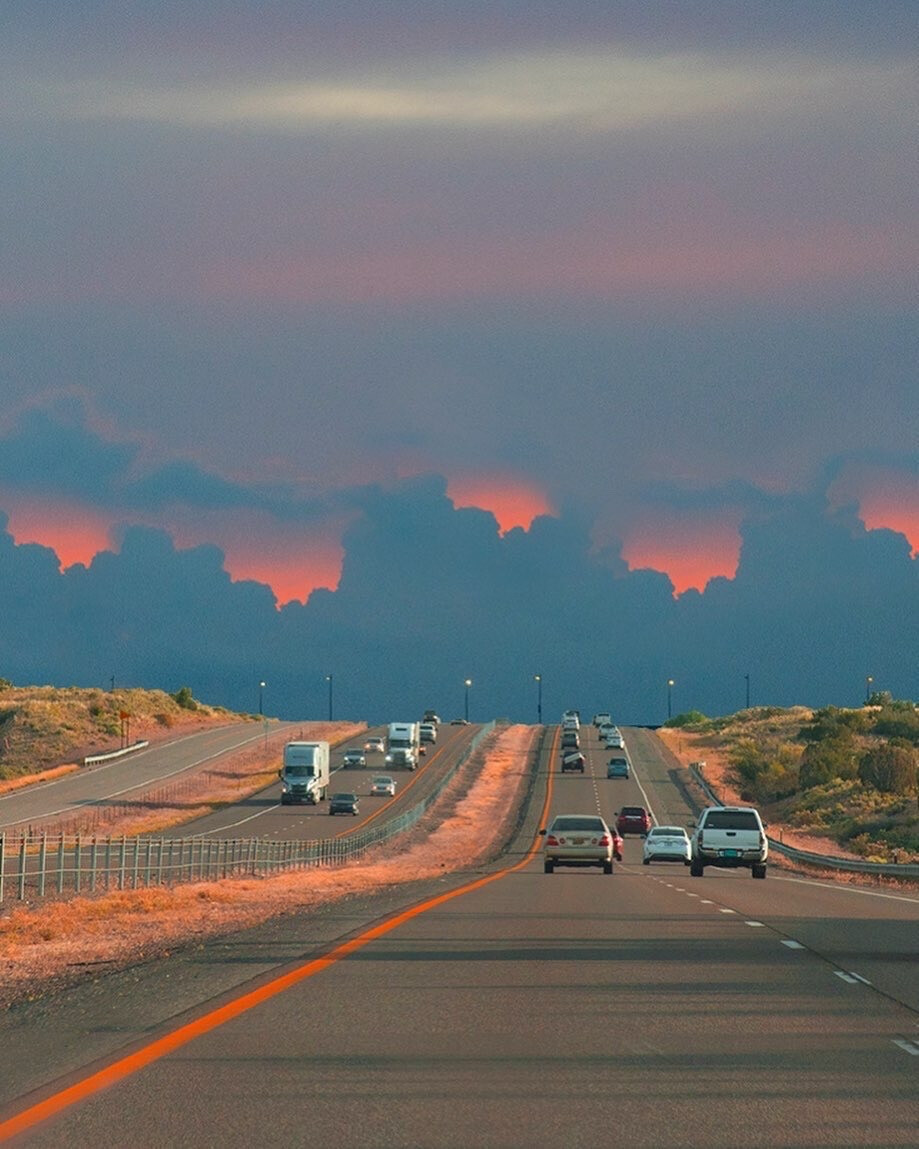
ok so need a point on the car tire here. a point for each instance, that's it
(696, 869)
(646, 861)
(759, 869)
(549, 867)
(607, 867)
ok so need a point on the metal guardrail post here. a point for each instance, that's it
(22, 867)
(2, 863)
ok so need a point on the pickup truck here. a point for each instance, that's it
(731, 837)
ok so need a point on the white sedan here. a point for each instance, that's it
(382, 785)
(666, 844)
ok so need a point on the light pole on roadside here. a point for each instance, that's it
(261, 699)
(747, 680)
(328, 679)
(467, 682)
(537, 678)
(868, 681)
(669, 699)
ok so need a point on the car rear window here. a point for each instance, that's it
(731, 820)
(633, 811)
(594, 824)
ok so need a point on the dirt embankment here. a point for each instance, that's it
(695, 748)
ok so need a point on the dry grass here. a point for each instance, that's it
(52, 946)
(43, 727)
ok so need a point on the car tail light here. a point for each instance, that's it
(552, 840)
(604, 841)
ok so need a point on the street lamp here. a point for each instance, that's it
(467, 682)
(669, 699)
(537, 678)
(261, 697)
(868, 682)
(747, 680)
(328, 679)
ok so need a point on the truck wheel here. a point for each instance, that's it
(549, 867)
(759, 869)
(696, 868)
(646, 861)
(607, 867)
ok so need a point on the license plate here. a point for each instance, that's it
(729, 853)
(578, 841)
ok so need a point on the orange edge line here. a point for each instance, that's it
(162, 1046)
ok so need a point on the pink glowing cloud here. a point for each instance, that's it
(689, 550)
(514, 502)
(887, 497)
(74, 531)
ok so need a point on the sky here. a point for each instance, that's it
(410, 343)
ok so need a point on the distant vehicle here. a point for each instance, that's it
(602, 719)
(427, 732)
(381, 785)
(374, 745)
(354, 757)
(572, 717)
(571, 740)
(633, 820)
(343, 803)
(459, 721)
(730, 837)
(666, 844)
(305, 772)
(618, 767)
(574, 760)
(403, 736)
(431, 716)
(578, 840)
(606, 729)
(614, 741)
(402, 757)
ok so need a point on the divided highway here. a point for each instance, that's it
(508, 1008)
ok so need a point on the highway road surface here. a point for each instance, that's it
(505, 1007)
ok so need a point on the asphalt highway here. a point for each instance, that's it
(506, 1007)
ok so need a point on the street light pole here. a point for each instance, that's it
(669, 699)
(328, 679)
(467, 683)
(537, 678)
(747, 679)
(261, 692)
(868, 682)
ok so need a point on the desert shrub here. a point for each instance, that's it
(162, 719)
(890, 768)
(831, 758)
(688, 718)
(830, 720)
(5, 684)
(184, 698)
(898, 721)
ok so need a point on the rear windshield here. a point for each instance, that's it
(633, 811)
(593, 824)
(731, 820)
(667, 832)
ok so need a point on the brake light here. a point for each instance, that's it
(552, 840)
(604, 841)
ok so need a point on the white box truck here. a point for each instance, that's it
(305, 773)
(402, 744)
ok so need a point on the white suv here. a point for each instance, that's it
(730, 837)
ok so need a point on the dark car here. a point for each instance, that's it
(633, 820)
(344, 804)
(573, 761)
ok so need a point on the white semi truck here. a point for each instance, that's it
(402, 744)
(305, 773)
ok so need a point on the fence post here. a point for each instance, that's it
(42, 854)
(93, 862)
(122, 861)
(22, 867)
(77, 862)
(2, 862)
(60, 864)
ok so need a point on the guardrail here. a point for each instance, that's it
(826, 861)
(39, 866)
(94, 758)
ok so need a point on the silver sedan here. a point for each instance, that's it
(666, 844)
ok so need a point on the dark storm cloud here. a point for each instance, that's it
(431, 595)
